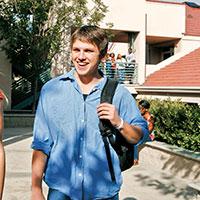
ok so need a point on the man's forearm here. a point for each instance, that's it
(131, 133)
(38, 166)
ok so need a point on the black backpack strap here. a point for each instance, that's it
(108, 155)
(108, 90)
(107, 94)
(104, 125)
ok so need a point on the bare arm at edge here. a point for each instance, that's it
(38, 166)
(2, 152)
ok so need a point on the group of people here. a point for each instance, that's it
(120, 66)
(68, 150)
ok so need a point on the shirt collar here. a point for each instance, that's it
(70, 76)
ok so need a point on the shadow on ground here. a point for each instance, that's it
(129, 198)
(17, 139)
(167, 188)
(186, 167)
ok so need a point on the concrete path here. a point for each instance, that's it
(140, 182)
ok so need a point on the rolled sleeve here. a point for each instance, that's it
(140, 122)
(40, 146)
(42, 140)
(130, 113)
(145, 135)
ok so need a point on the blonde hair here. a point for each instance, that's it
(94, 35)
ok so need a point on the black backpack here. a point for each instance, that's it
(111, 136)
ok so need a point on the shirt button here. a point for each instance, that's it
(82, 120)
(80, 156)
(81, 138)
(79, 174)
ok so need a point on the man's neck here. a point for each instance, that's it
(86, 83)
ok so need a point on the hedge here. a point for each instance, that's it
(177, 123)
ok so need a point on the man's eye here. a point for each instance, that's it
(88, 51)
(76, 50)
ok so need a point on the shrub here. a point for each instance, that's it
(177, 123)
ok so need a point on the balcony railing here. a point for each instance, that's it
(124, 72)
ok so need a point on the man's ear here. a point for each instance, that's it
(101, 58)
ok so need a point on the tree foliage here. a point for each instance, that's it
(177, 123)
(31, 30)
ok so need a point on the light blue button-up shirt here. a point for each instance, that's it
(66, 130)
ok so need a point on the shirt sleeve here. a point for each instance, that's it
(130, 113)
(42, 139)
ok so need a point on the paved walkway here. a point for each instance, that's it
(140, 182)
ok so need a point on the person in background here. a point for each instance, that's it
(2, 153)
(130, 67)
(113, 65)
(120, 64)
(68, 150)
(108, 64)
(130, 57)
(144, 106)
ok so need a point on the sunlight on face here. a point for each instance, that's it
(85, 57)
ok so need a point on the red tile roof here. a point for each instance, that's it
(192, 21)
(184, 72)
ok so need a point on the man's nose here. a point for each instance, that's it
(81, 55)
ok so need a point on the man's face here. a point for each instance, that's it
(142, 110)
(85, 57)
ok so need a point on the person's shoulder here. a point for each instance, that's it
(123, 89)
(123, 60)
(53, 83)
(123, 92)
(1, 95)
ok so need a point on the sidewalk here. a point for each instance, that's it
(140, 182)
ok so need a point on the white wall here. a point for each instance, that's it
(165, 19)
(187, 44)
(118, 48)
(125, 15)
(140, 55)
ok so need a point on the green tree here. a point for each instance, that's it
(31, 30)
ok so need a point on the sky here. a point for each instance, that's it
(195, 1)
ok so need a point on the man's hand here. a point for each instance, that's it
(37, 194)
(109, 111)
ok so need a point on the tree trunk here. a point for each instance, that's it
(35, 95)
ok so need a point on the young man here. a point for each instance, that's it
(68, 147)
(2, 153)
